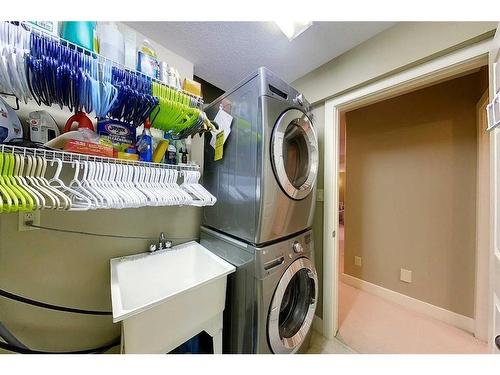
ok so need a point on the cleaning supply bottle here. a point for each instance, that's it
(79, 32)
(185, 157)
(111, 42)
(171, 156)
(147, 61)
(145, 143)
(179, 146)
(147, 48)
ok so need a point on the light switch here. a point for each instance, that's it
(405, 275)
(357, 261)
(320, 195)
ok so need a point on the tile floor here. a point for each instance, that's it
(320, 345)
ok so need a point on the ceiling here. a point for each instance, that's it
(223, 53)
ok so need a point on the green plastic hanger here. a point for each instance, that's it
(29, 203)
(19, 197)
(9, 204)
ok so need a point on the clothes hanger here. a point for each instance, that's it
(64, 201)
(109, 179)
(76, 185)
(85, 182)
(141, 197)
(191, 183)
(27, 202)
(130, 171)
(92, 184)
(39, 200)
(166, 197)
(37, 169)
(78, 202)
(99, 183)
(188, 185)
(170, 182)
(15, 196)
(50, 200)
(138, 182)
(115, 178)
(7, 200)
(104, 181)
(196, 175)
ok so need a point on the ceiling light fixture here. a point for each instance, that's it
(293, 29)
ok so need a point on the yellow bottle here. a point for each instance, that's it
(160, 150)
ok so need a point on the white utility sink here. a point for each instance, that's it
(166, 297)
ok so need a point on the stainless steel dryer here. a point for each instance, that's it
(271, 298)
(266, 182)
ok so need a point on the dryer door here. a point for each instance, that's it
(292, 308)
(294, 153)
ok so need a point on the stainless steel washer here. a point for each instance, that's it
(266, 182)
(292, 307)
(271, 298)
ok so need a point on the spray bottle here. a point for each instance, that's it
(145, 143)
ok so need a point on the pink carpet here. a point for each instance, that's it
(370, 324)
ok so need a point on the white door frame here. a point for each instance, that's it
(419, 76)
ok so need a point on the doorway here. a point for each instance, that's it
(409, 175)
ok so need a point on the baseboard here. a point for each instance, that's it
(317, 324)
(443, 315)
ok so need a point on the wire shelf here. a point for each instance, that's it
(69, 157)
(33, 28)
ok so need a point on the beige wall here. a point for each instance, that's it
(73, 270)
(411, 193)
(396, 48)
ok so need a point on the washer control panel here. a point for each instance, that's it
(299, 99)
(278, 256)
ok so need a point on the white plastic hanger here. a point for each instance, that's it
(77, 186)
(192, 185)
(51, 201)
(64, 203)
(78, 201)
(85, 182)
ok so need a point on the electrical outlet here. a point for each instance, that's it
(25, 217)
(405, 275)
(357, 261)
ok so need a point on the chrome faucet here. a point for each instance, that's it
(162, 244)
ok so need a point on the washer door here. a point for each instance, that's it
(294, 153)
(292, 308)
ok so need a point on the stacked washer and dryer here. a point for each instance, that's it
(265, 186)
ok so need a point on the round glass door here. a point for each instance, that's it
(293, 306)
(294, 151)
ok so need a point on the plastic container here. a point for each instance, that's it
(130, 49)
(171, 155)
(147, 48)
(164, 72)
(192, 86)
(111, 42)
(145, 143)
(80, 33)
(148, 65)
(147, 61)
(160, 151)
